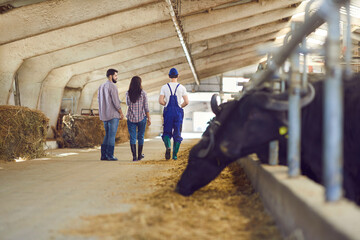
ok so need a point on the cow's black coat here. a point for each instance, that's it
(248, 128)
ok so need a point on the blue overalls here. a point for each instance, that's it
(173, 118)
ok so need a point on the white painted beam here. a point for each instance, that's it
(198, 47)
(32, 20)
(226, 15)
(184, 44)
(238, 36)
(245, 23)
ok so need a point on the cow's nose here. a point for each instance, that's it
(183, 191)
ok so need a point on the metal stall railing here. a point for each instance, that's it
(273, 145)
(333, 110)
(333, 107)
(294, 112)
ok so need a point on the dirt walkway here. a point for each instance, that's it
(79, 197)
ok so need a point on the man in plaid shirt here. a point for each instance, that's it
(110, 113)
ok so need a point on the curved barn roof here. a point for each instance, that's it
(48, 47)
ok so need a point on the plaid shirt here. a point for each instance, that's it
(137, 111)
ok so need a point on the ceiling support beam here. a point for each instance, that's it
(180, 33)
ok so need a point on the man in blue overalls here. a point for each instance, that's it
(171, 95)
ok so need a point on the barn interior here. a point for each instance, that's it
(54, 55)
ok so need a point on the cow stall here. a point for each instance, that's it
(248, 125)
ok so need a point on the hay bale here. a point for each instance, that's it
(122, 134)
(80, 131)
(22, 132)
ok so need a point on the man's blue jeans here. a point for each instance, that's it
(110, 131)
(140, 131)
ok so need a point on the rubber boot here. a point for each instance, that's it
(103, 152)
(140, 155)
(175, 150)
(167, 142)
(133, 151)
(110, 153)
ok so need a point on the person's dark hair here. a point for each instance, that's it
(111, 72)
(135, 89)
(173, 76)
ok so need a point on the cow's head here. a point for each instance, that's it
(238, 129)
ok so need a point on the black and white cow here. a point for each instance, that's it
(248, 125)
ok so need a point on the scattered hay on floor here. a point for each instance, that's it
(87, 131)
(22, 132)
(228, 208)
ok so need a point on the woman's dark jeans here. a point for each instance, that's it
(140, 131)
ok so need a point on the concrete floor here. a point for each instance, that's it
(41, 197)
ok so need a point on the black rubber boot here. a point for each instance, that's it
(167, 153)
(140, 155)
(133, 151)
(103, 152)
(110, 153)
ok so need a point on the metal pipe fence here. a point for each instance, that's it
(333, 91)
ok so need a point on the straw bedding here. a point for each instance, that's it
(228, 208)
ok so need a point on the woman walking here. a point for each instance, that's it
(137, 116)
